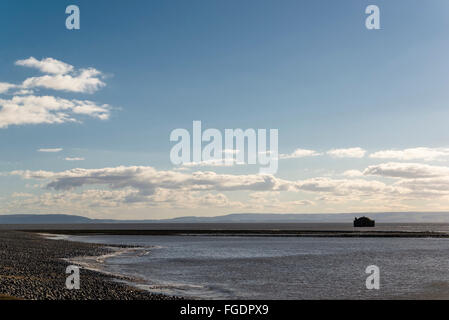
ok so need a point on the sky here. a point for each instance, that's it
(86, 115)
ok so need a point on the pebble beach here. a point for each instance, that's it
(33, 268)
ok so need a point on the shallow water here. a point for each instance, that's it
(282, 267)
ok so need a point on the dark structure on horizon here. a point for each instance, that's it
(364, 222)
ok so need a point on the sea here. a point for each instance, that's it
(267, 267)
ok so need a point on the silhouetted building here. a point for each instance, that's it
(364, 222)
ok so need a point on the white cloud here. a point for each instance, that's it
(426, 187)
(21, 195)
(420, 181)
(343, 187)
(5, 87)
(85, 81)
(26, 108)
(46, 65)
(209, 163)
(21, 110)
(300, 203)
(215, 200)
(407, 170)
(299, 153)
(89, 108)
(23, 92)
(58, 76)
(74, 159)
(421, 153)
(50, 150)
(347, 153)
(353, 173)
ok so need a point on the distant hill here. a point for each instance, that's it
(428, 217)
(42, 219)
(386, 217)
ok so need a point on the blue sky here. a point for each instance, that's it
(308, 68)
